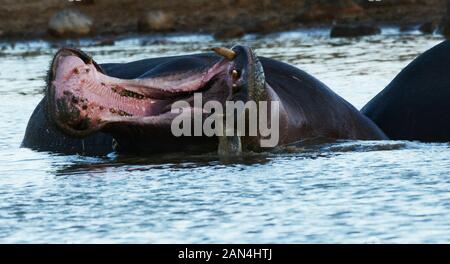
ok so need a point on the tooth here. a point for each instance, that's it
(234, 74)
(227, 53)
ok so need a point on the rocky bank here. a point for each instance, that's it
(23, 19)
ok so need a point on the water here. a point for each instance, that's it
(346, 192)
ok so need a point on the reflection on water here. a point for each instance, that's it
(307, 192)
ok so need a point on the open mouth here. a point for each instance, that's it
(83, 99)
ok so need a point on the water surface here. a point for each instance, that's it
(345, 192)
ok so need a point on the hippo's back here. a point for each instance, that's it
(416, 104)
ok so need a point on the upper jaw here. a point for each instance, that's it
(50, 107)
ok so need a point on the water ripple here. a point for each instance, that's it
(350, 191)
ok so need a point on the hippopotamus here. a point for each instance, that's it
(415, 105)
(126, 107)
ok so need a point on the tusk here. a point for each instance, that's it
(227, 53)
(234, 74)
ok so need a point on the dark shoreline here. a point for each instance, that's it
(161, 38)
(224, 19)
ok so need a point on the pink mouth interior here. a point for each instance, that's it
(83, 93)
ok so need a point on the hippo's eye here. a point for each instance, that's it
(235, 74)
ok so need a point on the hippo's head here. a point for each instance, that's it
(83, 99)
